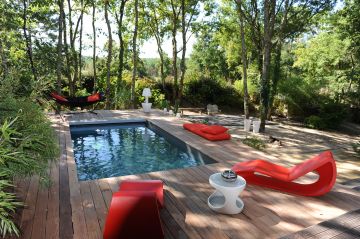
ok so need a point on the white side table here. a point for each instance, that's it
(226, 197)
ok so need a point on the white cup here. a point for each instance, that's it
(171, 112)
(165, 110)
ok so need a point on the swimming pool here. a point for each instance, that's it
(109, 150)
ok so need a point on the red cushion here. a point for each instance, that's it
(197, 129)
(214, 129)
(58, 97)
(94, 97)
(133, 214)
(155, 186)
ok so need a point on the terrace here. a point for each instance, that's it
(70, 208)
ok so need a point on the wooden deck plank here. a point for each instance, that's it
(92, 223)
(77, 211)
(99, 203)
(38, 232)
(330, 228)
(28, 213)
(65, 224)
(53, 216)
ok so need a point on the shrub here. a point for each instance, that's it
(315, 122)
(254, 142)
(27, 144)
(208, 91)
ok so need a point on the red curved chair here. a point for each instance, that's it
(134, 211)
(133, 214)
(155, 186)
(263, 173)
(207, 131)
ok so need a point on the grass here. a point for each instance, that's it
(356, 147)
(254, 142)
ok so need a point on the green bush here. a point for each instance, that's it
(208, 91)
(330, 116)
(315, 122)
(27, 144)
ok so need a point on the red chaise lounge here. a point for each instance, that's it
(267, 174)
(134, 211)
(209, 132)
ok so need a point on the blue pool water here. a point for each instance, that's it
(103, 151)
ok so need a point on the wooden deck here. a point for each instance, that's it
(77, 209)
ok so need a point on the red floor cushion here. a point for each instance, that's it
(133, 214)
(197, 129)
(214, 129)
(155, 186)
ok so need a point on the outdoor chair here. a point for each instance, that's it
(263, 173)
(212, 109)
(134, 211)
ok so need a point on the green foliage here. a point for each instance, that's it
(254, 142)
(356, 148)
(330, 116)
(8, 205)
(208, 91)
(315, 122)
(27, 144)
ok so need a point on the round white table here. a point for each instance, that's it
(226, 197)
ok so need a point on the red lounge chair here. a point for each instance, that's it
(133, 214)
(266, 174)
(200, 128)
(155, 186)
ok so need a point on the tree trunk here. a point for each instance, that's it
(269, 19)
(275, 78)
(73, 54)
(59, 45)
(134, 55)
(80, 40)
(121, 51)
(67, 56)
(162, 71)
(109, 57)
(94, 44)
(174, 51)
(28, 41)
(183, 55)
(3, 60)
(244, 63)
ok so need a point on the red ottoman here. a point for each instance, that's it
(133, 214)
(155, 186)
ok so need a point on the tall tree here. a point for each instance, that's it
(188, 11)
(28, 38)
(109, 56)
(136, 5)
(94, 43)
(81, 37)
(269, 23)
(59, 45)
(244, 62)
(175, 17)
(119, 20)
(157, 23)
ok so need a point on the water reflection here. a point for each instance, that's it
(101, 151)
